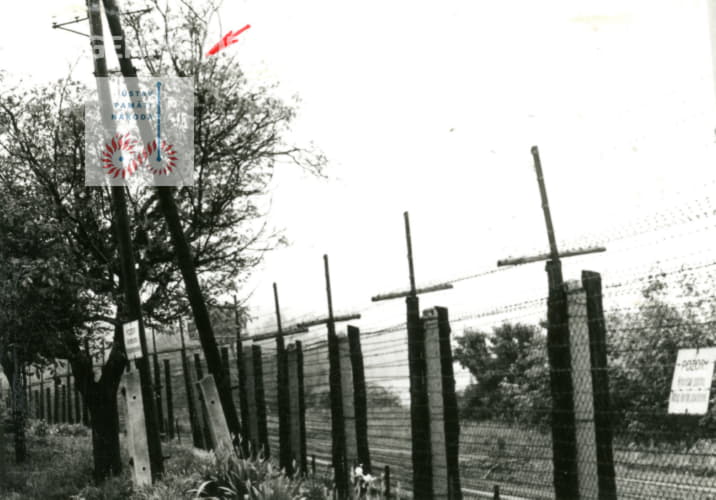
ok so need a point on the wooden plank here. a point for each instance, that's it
(137, 431)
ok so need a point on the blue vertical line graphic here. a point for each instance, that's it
(159, 121)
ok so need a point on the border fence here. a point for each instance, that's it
(569, 393)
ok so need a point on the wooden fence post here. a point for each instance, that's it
(297, 407)
(252, 428)
(38, 407)
(360, 397)
(437, 408)
(347, 396)
(158, 388)
(42, 394)
(260, 402)
(419, 405)
(68, 383)
(170, 399)
(243, 396)
(48, 404)
(592, 283)
(564, 447)
(452, 419)
(196, 432)
(218, 428)
(136, 430)
(203, 417)
(56, 400)
(63, 404)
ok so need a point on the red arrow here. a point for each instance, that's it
(229, 39)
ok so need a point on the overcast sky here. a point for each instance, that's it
(432, 107)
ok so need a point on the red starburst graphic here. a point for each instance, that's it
(164, 164)
(116, 159)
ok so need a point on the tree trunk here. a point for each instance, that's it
(102, 404)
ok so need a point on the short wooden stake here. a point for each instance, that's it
(136, 430)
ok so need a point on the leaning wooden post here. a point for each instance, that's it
(297, 407)
(196, 432)
(592, 283)
(136, 430)
(221, 441)
(360, 406)
(260, 400)
(170, 398)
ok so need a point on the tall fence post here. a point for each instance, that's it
(347, 392)
(170, 398)
(260, 400)
(592, 283)
(564, 447)
(297, 407)
(360, 398)
(419, 409)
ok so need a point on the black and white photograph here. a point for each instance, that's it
(379, 250)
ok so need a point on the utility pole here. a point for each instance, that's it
(126, 252)
(181, 247)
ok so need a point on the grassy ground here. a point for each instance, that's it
(59, 466)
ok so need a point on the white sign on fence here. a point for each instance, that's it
(132, 346)
(691, 385)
